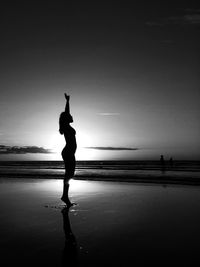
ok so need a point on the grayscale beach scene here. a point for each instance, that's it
(99, 133)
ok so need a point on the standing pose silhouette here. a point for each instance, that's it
(68, 152)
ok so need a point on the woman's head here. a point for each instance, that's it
(65, 118)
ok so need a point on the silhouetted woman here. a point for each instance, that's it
(68, 152)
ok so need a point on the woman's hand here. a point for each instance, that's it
(67, 97)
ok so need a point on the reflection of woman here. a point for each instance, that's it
(70, 252)
(68, 152)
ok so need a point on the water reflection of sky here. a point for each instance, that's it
(153, 202)
(108, 215)
(93, 189)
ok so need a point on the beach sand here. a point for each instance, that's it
(113, 224)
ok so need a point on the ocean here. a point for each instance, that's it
(186, 172)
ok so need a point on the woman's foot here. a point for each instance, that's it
(67, 201)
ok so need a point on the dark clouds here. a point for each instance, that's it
(22, 149)
(189, 16)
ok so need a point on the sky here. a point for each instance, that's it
(132, 72)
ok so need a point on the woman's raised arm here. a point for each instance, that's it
(67, 110)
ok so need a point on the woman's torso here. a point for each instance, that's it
(70, 138)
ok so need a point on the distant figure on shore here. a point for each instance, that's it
(70, 252)
(162, 163)
(171, 162)
(68, 152)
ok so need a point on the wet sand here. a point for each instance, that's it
(113, 224)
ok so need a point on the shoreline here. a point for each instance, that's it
(143, 179)
(182, 172)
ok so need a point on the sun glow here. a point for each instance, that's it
(84, 140)
(56, 143)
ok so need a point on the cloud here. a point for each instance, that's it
(190, 17)
(111, 148)
(153, 23)
(23, 149)
(167, 42)
(109, 114)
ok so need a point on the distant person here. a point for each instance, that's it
(171, 162)
(162, 163)
(68, 152)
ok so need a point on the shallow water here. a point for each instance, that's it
(185, 172)
(112, 223)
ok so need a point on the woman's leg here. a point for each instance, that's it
(65, 196)
(69, 172)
